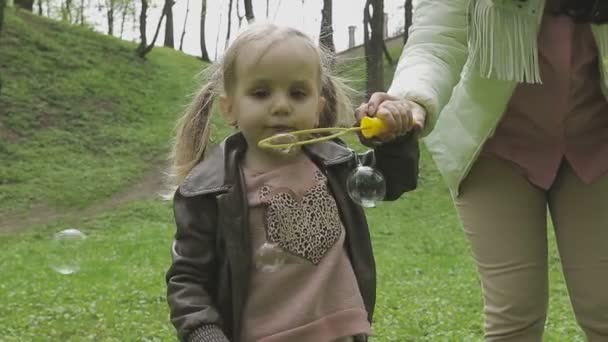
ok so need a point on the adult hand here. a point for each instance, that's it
(399, 116)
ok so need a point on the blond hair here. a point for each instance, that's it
(193, 128)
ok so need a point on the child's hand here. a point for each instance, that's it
(399, 116)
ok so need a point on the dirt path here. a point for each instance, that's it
(149, 186)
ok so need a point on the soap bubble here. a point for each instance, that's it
(366, 186)
(66, 251)
(269, 257)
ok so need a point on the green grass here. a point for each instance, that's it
(428, 286)
(85, 117)
(118, 295)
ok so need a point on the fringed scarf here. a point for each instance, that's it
(503, 38)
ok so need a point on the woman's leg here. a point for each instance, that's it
(580, 216)
(505, 219)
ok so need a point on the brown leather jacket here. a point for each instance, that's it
(208, 280)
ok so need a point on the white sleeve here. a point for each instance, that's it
(431, 62)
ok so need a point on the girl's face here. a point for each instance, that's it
(276, 90)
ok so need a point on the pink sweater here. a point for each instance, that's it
(565, 117)
(314, 296)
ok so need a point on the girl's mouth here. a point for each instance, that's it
(282, 129)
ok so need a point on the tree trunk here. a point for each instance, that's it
(204, 53)
(267, 8)
(2, 4)
(125, 9)
(40, 8)
(374, 42)
(64, 12)
(81, 13)
(143, 52)
(160, 23)
(217, 38)
(249, 11)
(387, 54)
(110, 12)
(181, 40)
(25, 4)
(142, 28)
(238, 13)
(68, 10)
(169, 24)
(408, 20)
(229, 24)
(326, 36)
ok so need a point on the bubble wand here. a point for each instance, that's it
(369, 128)
(365, 185)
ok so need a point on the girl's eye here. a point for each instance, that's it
(260, 93)
(299, 94)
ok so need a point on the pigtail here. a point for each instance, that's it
(338, 109)
(328, 117)
(193, 129)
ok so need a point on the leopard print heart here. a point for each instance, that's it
(308, 227)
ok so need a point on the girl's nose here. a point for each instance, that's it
(281, 105)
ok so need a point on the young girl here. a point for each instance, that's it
(239, 198)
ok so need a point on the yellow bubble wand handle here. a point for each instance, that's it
(369, 128)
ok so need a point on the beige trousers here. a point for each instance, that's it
(505, 219)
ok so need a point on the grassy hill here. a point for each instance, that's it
(82, 118)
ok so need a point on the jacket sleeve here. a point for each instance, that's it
(192, 276)
(431, 61)
(398, 161)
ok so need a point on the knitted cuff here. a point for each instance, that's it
(208, 333)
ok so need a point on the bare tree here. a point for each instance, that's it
(326, 36)
(25, 4)
(249, 11)
(127, 8)
(408, 19)
(110, 5)
(123, 18)
(238, 13)
(142, 28)
(142, 50)
(68, 11)
(229, 23)
(373, 44)
(64, 9)
(181, 40)
(217, 38)
(169, 24)
(2, 4)
(204, 53)
(267, 8)
(387, 54)
(80, 13)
